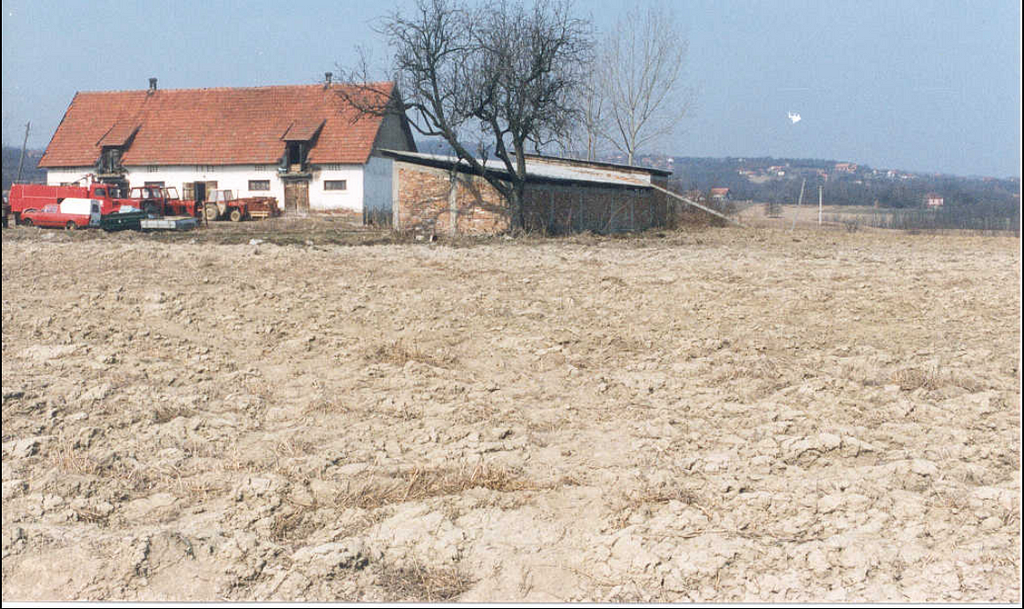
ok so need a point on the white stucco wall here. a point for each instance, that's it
(66, 175)
(228, 177)
(233, 177)
(350, 199)
(368, 185)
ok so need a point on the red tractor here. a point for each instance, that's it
(224, 206)
(161, 201)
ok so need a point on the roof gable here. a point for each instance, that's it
(213, 126)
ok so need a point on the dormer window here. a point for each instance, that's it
(114, 142)
(110, 160)
(297, 152)
(299, 138)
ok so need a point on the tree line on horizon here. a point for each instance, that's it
(30, 172)
(998, 196)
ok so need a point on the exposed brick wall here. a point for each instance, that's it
(422, 199)
(481, 208)
(424, 204)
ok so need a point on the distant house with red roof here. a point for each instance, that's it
(304, 144)
(719, 194)
(933, 200)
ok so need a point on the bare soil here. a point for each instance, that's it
(269, 412)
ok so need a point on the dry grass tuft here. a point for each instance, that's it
(86, 514)
(128, 476)
(640, 500)
(67, 458)
(163, 414)
(296, 523)
(398, 353)
(910, 379)
(423, 483)
(418, 583)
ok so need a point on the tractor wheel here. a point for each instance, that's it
(236, 215)
(26, 221)
(211, 211)
(70, 225)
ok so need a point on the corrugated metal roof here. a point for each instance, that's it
(549, 169)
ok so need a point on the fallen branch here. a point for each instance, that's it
(695, 204)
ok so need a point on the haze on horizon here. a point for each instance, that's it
(909, 85)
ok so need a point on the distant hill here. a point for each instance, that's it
(29, 172)
(778, 180)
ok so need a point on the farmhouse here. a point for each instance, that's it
(933, 200)
(315, 152)
(304, 145)
(440, 195)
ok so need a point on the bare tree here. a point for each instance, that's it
(502, 73)
(583, 137)
(639, 73)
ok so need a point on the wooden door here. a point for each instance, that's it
(296, 196)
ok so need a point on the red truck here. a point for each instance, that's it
(70, 214)
(27, 197)
(151, 199)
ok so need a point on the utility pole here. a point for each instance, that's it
(819, 205)
(799, 202)
(21, 161)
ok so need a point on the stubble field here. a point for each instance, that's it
(730, 415)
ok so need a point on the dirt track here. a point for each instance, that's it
(726, 415)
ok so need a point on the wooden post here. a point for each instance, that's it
(453, 202)
(819, 205)
(799, 202)
(24, 142)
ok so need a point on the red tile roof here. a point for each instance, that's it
(303, 130)
(212, 126)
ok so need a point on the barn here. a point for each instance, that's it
(441, 195)
(314, 151)
(304, 145)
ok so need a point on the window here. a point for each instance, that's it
(335, 185)
(259, 184)
(110, 160)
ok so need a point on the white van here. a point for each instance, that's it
(84, 207)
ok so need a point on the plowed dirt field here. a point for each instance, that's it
(722, 415)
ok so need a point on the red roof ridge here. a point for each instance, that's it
(383, 83)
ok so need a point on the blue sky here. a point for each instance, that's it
(922, 86)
